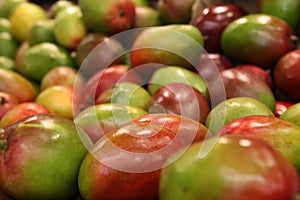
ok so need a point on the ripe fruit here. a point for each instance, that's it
(108, 17)
(241, 83)
(234, 108)
(237, 167)
(17, 85)
(292, 114)
(134, 152)
(21, 111)
(59, 99)
(42, 155)
(97, 120)
(126, 93)
(181, 99)
(69, 28)
(171, 74)
(286, 76)
(23, 17)
(281, 134)
(175, 11)
(37, 60)
(154, 48)
(286, 10)
(257, 39)
(213, 19)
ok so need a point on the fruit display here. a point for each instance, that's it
(149, 100)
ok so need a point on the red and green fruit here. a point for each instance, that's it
(146, 16)
(99, 119)
(281, 134)
(175, 11)
(69, 28)
(96, 52)
(17, 85)
(171, 74)
(181, 99)
(281, 107)
(108, 17)
(234, 108)
(265, 75)
(211, 64)
(257, 39)
(286, 76)
(42, 155)
(212, 20)
(63, 75)
(126, 93)
(154, 48)
(61, 100)
(187, 129)
(292, 114)
(107, 78)
(241, 83)
(21, 111)
(134, 152)
(237, 167)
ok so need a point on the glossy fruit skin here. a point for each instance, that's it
(171, 74)
(107, 78)
(175, 11)
(211, 64)
(257, 39)
(61, 100)
(146, 17)
(234, 108)
(281, 107)
(286, 75)
(21, 111)
(17, 85)
(265, 75)
(180, 99)
(292, 114)
(286, 10)
(189, 130)
(281, 134)
(69, 28)
(108, 17)
(237, 168)
(37, 60)
(126, 93)
(118, 178)
(63, 75)
(42, 156)
(213, 19)
(23, 16)
(99, 119)
(241, 83)
(155, 48)
(97, 48)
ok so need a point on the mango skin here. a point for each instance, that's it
(17, 85)
(238, 167)
(257, 39)
(42, 156)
